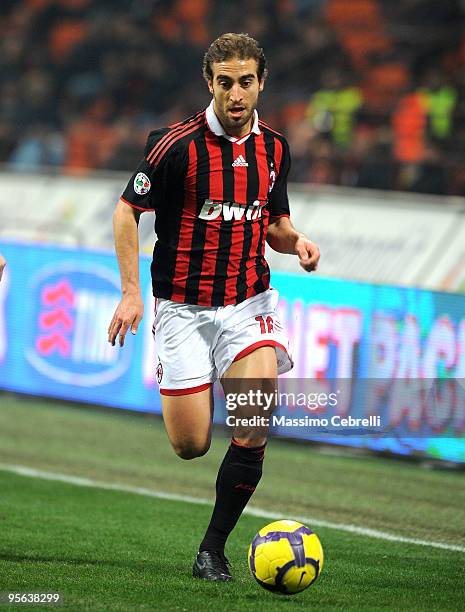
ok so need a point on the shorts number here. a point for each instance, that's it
(266, 325)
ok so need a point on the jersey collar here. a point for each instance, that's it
(215, 126)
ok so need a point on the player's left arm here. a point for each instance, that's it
(284, 238)
(282, 235)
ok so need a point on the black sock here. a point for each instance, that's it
(238, 476)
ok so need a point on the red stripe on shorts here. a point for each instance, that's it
(187, 391)
(253, 347)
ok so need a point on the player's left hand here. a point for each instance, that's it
(308, 253)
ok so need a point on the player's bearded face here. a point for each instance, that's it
(235, 88)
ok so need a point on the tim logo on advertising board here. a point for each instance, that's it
(72, 304)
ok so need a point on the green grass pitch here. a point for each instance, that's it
(115, 550)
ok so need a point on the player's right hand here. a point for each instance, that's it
(128, 314)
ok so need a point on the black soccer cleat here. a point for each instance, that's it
(211, 565)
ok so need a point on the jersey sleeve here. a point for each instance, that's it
(278, 198)
(145, 187)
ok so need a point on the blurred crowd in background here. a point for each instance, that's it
(370, 93)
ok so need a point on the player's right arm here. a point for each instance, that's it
(139, 196)
(130, 310)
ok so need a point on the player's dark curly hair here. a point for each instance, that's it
(231, 45)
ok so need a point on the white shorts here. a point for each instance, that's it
(197, 344)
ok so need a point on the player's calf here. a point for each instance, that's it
(238, 477)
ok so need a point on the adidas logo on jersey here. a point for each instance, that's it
(239, 161)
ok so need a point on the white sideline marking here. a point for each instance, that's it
(308, 520)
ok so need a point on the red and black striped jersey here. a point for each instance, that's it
(213, 197)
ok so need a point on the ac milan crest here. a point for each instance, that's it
(159, 372)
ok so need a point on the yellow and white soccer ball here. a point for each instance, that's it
(285, 557)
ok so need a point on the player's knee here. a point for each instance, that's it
(191, 450)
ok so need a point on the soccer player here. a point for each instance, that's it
(218, 185)
(2, 265)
